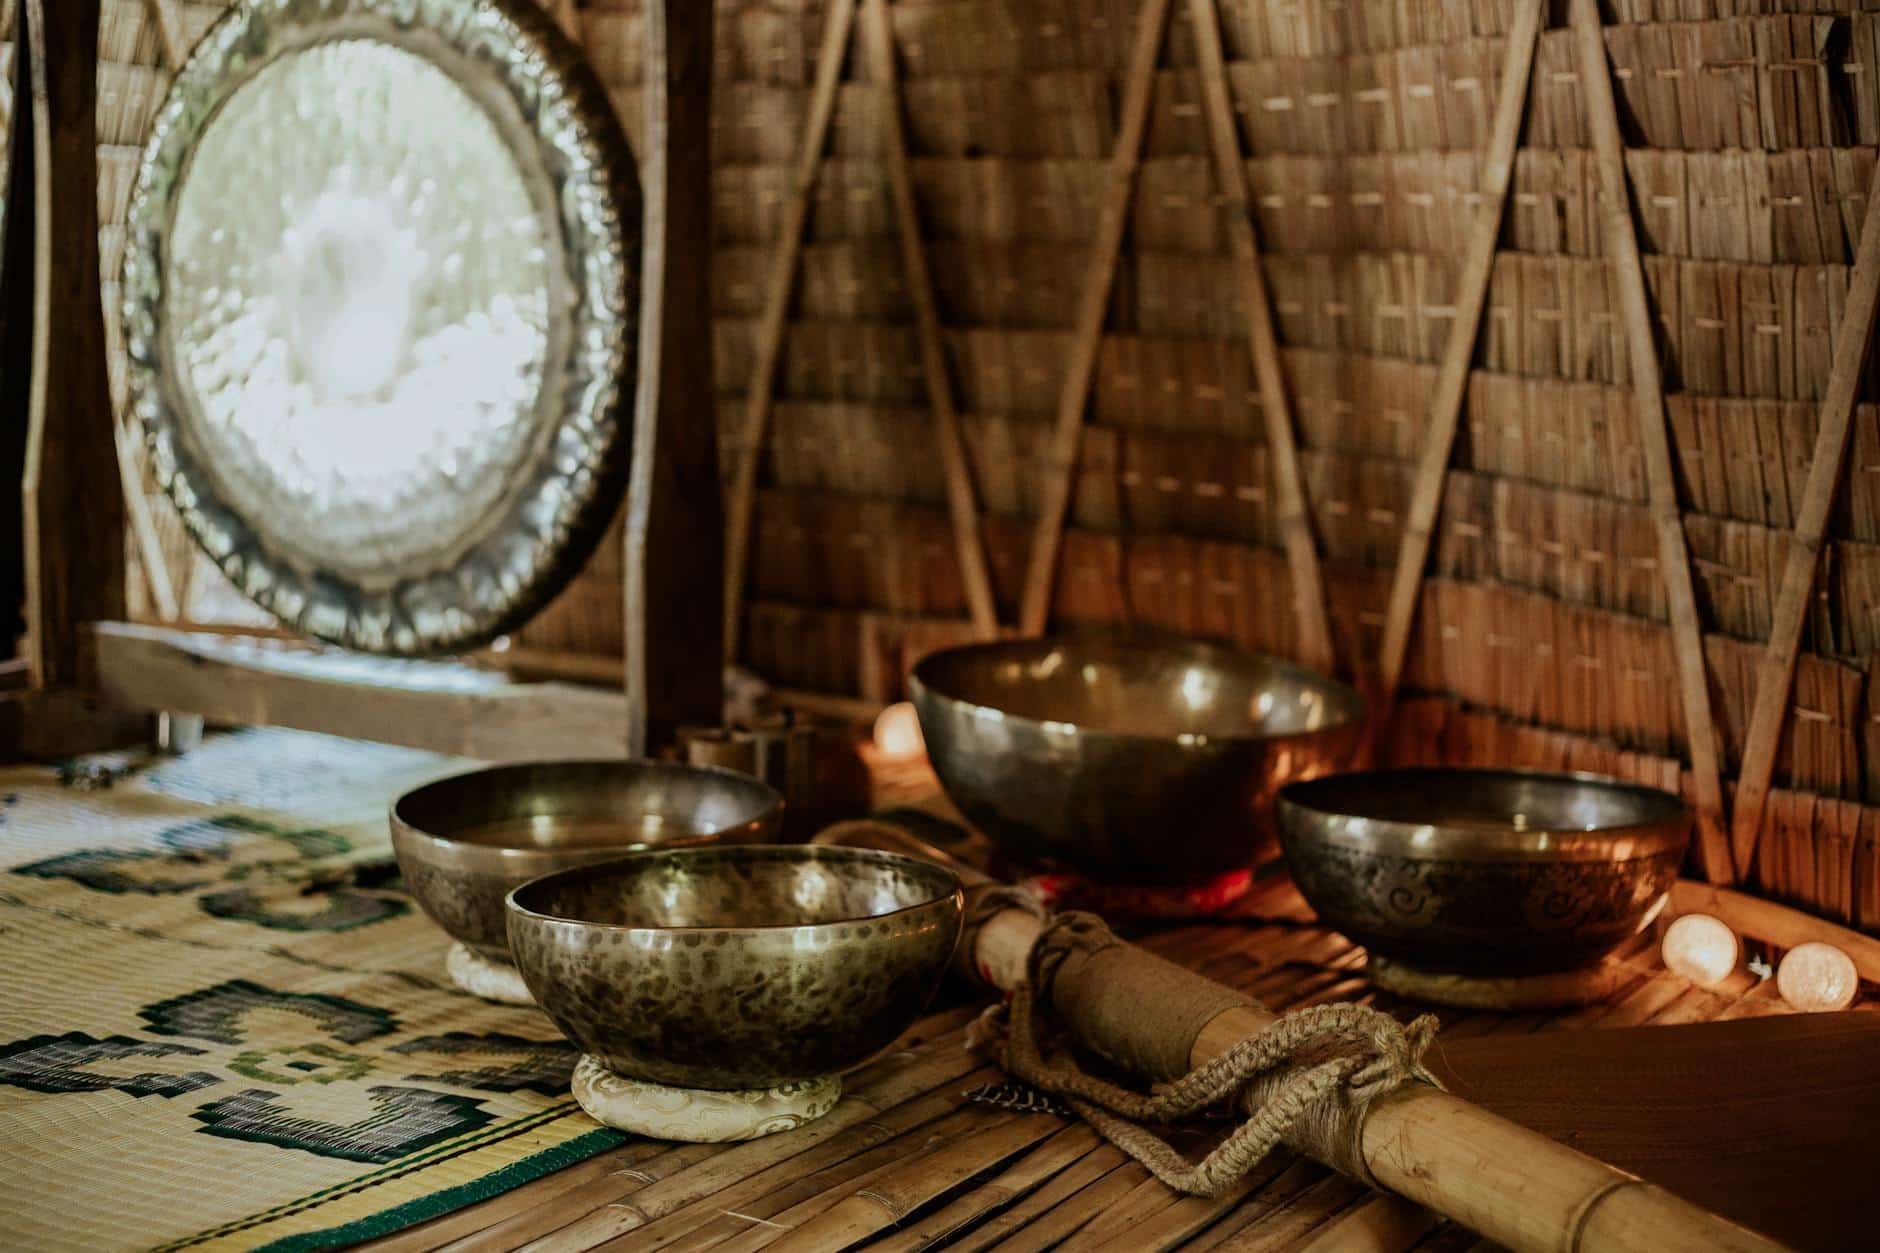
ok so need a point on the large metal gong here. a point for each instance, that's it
(380, 298)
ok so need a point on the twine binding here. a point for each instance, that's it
(1308, 1078)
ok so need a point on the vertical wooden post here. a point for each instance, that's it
(1087, 336)
(674, 521)
(1452, 379)
(1775, 674)
(16, 340)
(748, 453)
(1648, 401)
(54, 375)
(878, 43)
(1295, 521)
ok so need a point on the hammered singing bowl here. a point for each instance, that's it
(1483, 872)
(1128, 761)
(464, 843)
(734, 968)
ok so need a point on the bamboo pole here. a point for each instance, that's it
(169, 33)
(748, 452)
(1514, 1186)
(1775, 674)
(878, 42)
(1773, 923)
(1648, 399)
(164, 601)
(1295, 521)
(1452, 378)
(1087, 336)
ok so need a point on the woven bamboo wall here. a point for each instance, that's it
(1541, 634)
(1542, 628)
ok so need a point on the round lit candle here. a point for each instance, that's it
(897, 732)
(1817, 976)
(1701, 948)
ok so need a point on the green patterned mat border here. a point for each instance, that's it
(425, 1208)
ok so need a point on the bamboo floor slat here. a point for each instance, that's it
(906, 1162)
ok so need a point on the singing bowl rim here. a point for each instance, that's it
(1342, 699)
(952, 899)
(1321, 812)
(510, 860)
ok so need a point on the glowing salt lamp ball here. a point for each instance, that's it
(897, 732)
(1816, 976)
(1701, 948)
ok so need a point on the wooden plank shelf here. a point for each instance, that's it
(441, 706)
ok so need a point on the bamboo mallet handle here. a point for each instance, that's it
(1513, 1185)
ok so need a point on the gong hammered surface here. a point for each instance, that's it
(380, 338)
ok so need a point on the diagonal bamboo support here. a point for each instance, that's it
(1087, 337)
(878, 43)
(1295, 520)
(748, 451)
(169, 33)
(1648, 400)
(1775, 674)
(1452, 378)
(143, 524)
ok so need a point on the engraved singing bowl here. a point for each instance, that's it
(736, 967)
(1483, 872)
(464, 843)
(1127, 760)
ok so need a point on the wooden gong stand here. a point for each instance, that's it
(83, 678)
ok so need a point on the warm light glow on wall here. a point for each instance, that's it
(897, 732)
(1816, 976)
(1701, 948)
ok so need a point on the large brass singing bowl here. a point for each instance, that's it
(1127, 760)
(466, 842)
(1483, 872)
(734, 968)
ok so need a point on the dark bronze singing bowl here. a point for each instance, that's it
(1127, 760)
(736, 967)
(465, 842)
(1483, 871)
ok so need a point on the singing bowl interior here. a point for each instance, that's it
(465, 842)
(1124, 759)
(1483, 871)
(736, 967)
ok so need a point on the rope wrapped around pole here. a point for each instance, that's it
(1307, 1079)
(1159, 1021)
